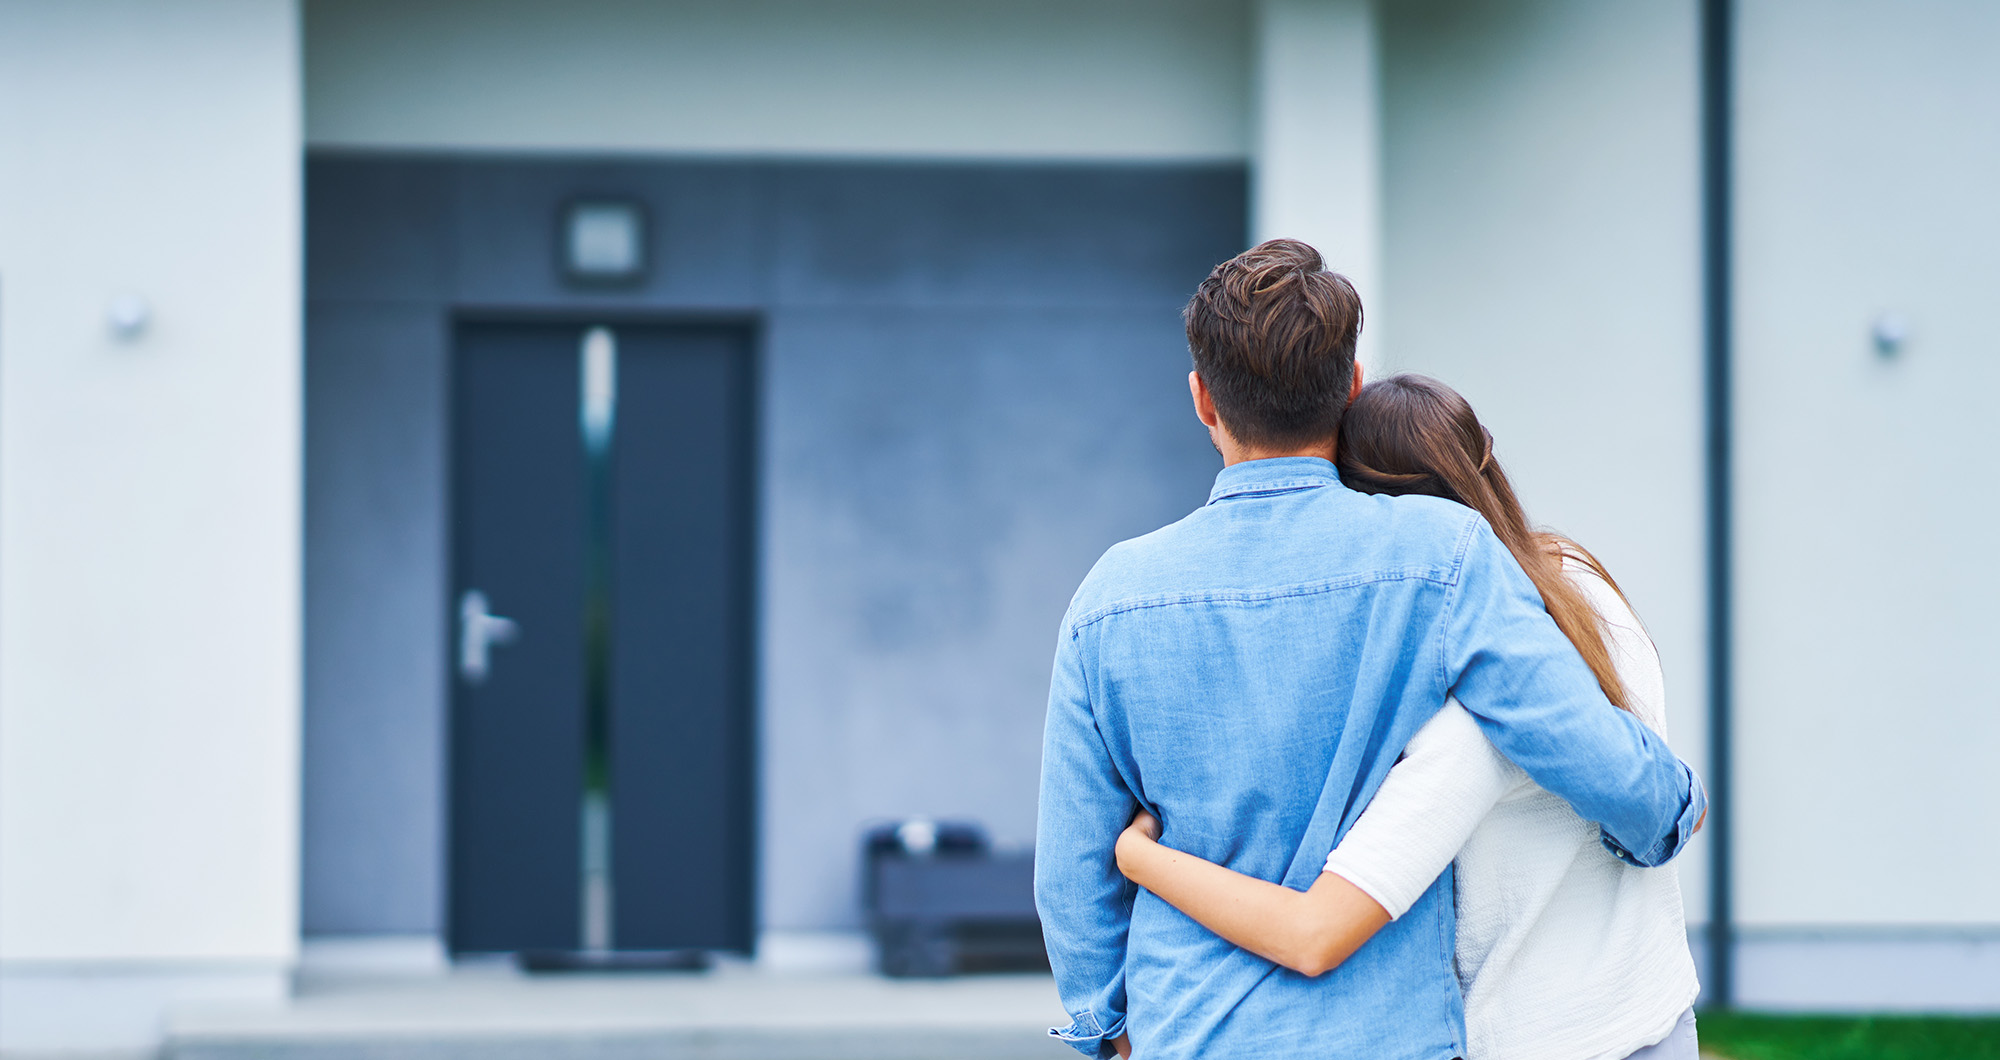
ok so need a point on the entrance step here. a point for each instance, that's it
(729, 1014)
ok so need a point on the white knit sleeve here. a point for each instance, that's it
(1448, 778)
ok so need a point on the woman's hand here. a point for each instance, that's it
(1142, 833)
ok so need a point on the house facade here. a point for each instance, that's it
(843, 337)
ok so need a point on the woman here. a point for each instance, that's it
(1564, 952)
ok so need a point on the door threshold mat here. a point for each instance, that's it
(613, 960)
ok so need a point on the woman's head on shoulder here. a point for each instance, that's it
(1411, 434)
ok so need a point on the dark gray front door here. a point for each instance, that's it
(519, 512)
(602, 555)
(682, 547)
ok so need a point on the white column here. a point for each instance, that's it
(1318, 166)
(149, 512)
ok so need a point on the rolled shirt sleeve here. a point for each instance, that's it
(1668, 846)
(1084, 902)
(1535, 698)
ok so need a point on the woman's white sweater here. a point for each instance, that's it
(1564, 952)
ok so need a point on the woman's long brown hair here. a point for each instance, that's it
(1413, 434)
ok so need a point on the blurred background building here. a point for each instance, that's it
(845, 333)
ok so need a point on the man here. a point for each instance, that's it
(1250, 673)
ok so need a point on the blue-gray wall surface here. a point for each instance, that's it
(972, 384)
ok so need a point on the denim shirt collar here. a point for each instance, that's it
(1276, 475)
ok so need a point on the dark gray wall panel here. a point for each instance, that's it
(924, 235)
(940, 481)
(709, 236)
(375, 633)
(972, 383)
(378, 231)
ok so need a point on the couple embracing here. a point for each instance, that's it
(1350, 762)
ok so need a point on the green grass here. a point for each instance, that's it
(1746, 1037)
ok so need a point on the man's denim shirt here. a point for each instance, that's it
(1250, 673)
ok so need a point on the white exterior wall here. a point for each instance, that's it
(1542, 256)
(1868, 154)
(1542, 216)
(149, 511)
(1025, 78)
(1317, 174)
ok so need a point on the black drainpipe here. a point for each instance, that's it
(1717, 105)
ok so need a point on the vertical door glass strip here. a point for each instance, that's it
(599, 363)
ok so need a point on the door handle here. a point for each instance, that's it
(478, 630)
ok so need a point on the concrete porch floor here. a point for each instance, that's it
(735, 1012)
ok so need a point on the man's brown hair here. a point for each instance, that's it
(1273, 334)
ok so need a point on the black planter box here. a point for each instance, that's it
(957, 908)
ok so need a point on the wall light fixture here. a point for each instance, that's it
(603, 241)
